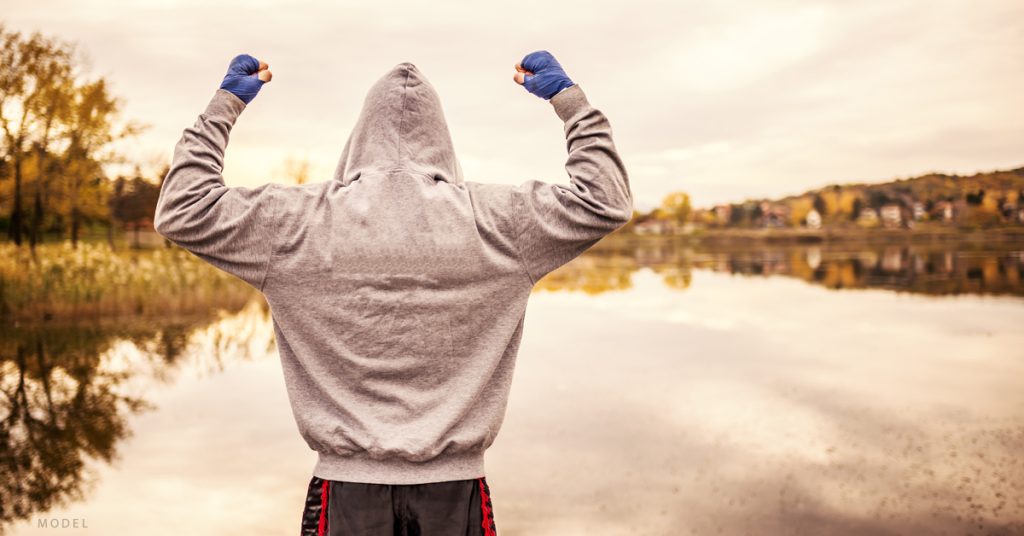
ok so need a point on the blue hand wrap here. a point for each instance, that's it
(241, 79)
(548, 77)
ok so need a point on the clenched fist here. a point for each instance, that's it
(541, 74)
(246, 75)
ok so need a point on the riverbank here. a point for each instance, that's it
(92, 281)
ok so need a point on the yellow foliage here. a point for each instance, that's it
(92, 280)
(833, 201)
(846, 201)
(676, 205)
(799, 209)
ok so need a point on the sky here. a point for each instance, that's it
(724, 100)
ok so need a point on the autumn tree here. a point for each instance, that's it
(856, 208)
(58, 130)
(33, 72)
(296, 170)
(92, 130)
(676, 206)
(820, 205)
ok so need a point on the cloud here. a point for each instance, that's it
(725, 100)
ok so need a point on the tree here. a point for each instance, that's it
(34, 70)
(975, 198)
(858, 206)
(68, 125)
(93, 112)
(877, 198)
(739, 214)
(676, 206)
(820, 205)
(297, 170)
(798, 210)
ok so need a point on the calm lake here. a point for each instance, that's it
(658, 390)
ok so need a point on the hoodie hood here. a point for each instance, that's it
(401, 127)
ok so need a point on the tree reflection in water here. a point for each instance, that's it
(921, 269)
(68, 391)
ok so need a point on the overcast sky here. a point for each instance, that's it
(724, 100)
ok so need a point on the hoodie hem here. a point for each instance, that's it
(361, 467)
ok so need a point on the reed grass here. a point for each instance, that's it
(93, 281)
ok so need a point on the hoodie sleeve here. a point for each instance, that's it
(229, 227)
(555, 222)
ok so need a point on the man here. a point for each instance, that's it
(398, 289)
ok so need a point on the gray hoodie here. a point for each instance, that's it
(398, 289)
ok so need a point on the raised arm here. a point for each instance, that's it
(555, 222)
(230, 227)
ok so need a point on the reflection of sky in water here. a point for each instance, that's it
(761, 405)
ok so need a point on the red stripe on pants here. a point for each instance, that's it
(486, 510)
(322, 531)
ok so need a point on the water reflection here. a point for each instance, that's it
(69, 391)
(924, 269)
(762, 405)
(754, 404)
(59, 408)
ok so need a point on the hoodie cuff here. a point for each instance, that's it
(569, 101)
(224, 104)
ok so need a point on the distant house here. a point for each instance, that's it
(813, 220)
(868, 217)
(891, 215)
(652, 226)
(943, 210)
(918, 211)
(773, 215)
(723, 214)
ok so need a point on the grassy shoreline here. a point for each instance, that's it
(60, 282)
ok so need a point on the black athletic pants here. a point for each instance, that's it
(453, 508)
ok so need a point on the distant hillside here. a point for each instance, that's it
(982, 200)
